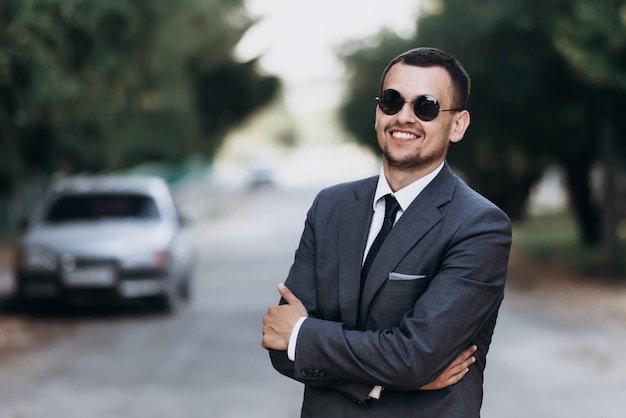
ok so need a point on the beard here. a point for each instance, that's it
(415, 160)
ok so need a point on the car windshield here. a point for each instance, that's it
(93, 206)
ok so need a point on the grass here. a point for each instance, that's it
(554, 238)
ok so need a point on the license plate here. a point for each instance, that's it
(94, 276)
(139, 288)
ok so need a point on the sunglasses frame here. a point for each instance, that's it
(417, 103)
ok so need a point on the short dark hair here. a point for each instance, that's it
(433, 57)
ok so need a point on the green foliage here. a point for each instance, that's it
(592, 37)
(90, 85)
(523, 94)
(552, 237)
(365, 62)
(225, 95)
(547, 77)
(547, 236)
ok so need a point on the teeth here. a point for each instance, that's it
(403, 135)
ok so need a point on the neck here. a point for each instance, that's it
(399, 178)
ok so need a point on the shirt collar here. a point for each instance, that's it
(407, 194)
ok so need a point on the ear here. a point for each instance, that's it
(459, 126)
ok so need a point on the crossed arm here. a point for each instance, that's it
(280, 320)
(411, 355)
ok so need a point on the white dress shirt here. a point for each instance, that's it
(404, 196)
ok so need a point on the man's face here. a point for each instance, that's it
(408, 143)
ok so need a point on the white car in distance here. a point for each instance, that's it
(95, 238)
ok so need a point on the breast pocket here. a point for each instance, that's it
(405, 283)
(396, 298)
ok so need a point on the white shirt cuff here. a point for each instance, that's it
(293, 339)
(375, 392)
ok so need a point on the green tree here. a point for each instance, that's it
(107, 84)
(527, 107)
(530, 106)
(364, 63)
(591, 36)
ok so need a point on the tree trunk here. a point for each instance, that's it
(609, 199)
(585, 211)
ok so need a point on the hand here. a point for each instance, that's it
(280, 320)
(455, 371)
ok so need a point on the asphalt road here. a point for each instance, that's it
(207, 360)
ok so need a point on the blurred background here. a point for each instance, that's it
(240, 104)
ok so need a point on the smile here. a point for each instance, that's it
(403, 135)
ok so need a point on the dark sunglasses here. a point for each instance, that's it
(426, 107)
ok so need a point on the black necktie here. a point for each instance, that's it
(391, 208)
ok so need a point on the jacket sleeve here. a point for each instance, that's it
(358, 391)
(464, 295)
(302, 282)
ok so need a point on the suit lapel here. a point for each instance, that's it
(416, 221)
(356, 216)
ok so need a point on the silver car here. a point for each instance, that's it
(106, 236)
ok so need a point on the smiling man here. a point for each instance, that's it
(392, 299)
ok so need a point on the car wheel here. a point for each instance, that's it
(171, 300)
(185, 289)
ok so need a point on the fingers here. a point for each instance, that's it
(465, 358)
(460, 367)
(455, 371)
(292, 300)
(463, 361)
(287, 294)
(281, 320)
(276, 332)
(468, 352)
(455, 378)
(269, 339)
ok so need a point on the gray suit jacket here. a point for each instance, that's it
(434, 289)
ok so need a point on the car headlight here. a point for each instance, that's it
(36, 259)
(161, 258)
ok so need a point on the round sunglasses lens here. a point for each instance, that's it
(390, 102)
(426, 108)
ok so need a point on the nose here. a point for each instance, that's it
(406, 113)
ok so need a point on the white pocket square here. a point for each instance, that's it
(400, 276)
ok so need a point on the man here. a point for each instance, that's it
(372, 346)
